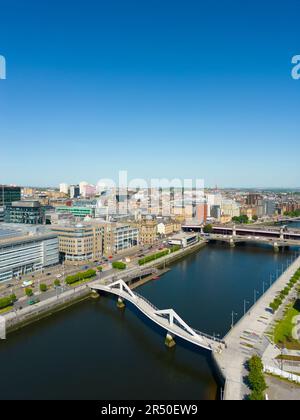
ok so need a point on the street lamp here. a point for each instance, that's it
(233, 314)
(216, 336)
(245, 304)
(264, 284)
(271, 279)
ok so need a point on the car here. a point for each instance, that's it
(27, 283)
(9, 286)
(48, 274)
(33, 301)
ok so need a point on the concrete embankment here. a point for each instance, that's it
(175, 256)
(20, 318)
(247, 338)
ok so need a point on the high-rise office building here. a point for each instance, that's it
(8, 194)
(74, 191)
(26, 212)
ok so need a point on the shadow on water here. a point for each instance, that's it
(168, 356)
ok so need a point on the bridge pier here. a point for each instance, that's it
(231, 243)
(95, 294)
(276, 247)
(169, 341)
(120, 303)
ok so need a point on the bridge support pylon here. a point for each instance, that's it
(120, 303)
(231, 243)
(276, 247)
(169, 341)
(95, 294)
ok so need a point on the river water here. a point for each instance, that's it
(95, 351)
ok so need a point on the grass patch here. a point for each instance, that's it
(7, 309)
(288, 357)
(283, 330)
(78, 283)
(250, 346)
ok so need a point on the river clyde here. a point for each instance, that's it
(95, 351)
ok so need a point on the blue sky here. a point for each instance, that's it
(187, 89)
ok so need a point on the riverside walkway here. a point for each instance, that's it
(168, 319)
(248, 338)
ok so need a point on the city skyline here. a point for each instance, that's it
(157, 90)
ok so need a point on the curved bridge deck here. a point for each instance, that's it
(168, 319)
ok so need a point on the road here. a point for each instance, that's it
(48, 275)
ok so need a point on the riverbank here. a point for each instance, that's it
(21, 318)
(17, 319)
(248, 338)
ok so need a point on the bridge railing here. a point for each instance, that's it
(146, 300)
(210, 337)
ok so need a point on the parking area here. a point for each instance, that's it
(282, 390)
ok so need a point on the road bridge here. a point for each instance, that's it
(276, 236)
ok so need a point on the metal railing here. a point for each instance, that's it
(147, 301)
(210, 337)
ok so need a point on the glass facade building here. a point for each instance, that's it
(9, 194)
(27, 212)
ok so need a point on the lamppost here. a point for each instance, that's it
(271, 279)
(256, 293)
(264, 284)
(245, 304)
(216, 336)
(233, 314)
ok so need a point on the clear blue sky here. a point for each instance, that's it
(190, 89)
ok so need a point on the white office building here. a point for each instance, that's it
(64, 188)
(22, 252)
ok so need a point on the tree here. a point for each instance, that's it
(257, 380)
(208, 229)
(119, 265)
(13, 298)
(100, 268)
(255, 218)
(56, 283)
(243, 219)
(256, 396)
(28, 292)
(255, 363)
(5, 302)
(43, 287)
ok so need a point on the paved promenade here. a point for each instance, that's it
(247, 338)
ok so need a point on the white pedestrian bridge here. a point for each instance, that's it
(168, 319)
